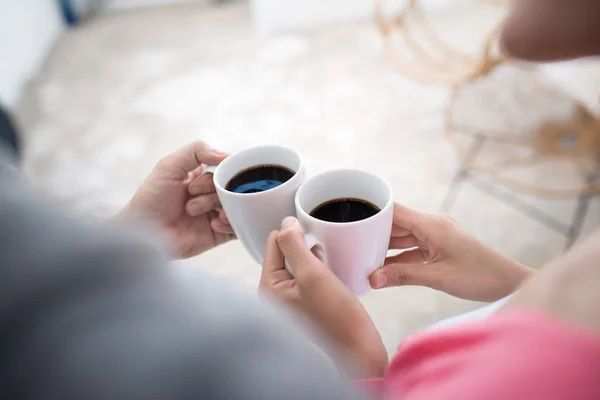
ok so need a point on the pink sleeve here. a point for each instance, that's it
(511, 355)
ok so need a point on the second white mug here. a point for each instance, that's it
(352, 250)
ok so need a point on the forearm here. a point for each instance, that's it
(359, 350)
(509, 277)
(517, 276)
(480, 273)
(372, 356)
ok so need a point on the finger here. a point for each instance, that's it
(280, 276)
(223, 217)
(202, 204)
(401, 275)
(190, 157)
(407, 218)
(292, 245)
(218, 226)
(273, 260)
(398, 231)
(404, 242)
(224, 238)
(202, 184)
(194, 174)
(447, 217)
(417, 223)
(415, 256)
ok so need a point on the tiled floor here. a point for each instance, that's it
(123, 90)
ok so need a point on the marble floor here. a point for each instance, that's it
(124, 89)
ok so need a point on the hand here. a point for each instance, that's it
(442, 256)
(183, 201)
(317, 293)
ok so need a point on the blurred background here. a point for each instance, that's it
(416, 92)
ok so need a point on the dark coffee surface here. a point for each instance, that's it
(344, 210)
(259, 178)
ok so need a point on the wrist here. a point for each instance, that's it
(366, 351)
(356, 346)
(514, 274)
(519, 274)
(373, 359)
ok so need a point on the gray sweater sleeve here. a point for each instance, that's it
(89, 312)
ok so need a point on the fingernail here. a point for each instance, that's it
(288, 222)
(380, 280)
(189, 178)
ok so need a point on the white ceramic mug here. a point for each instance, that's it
(352, 250)
(254, 215)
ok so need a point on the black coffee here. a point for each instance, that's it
(344, 210)
(259, 178)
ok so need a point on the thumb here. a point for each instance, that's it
(401, 275)
(291, 243)
(190, 157)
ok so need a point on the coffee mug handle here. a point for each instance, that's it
(210, 169)
(316, 247)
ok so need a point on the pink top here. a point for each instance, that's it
(511, 355)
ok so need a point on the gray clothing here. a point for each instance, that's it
(93, 312)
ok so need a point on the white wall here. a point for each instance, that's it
(28, 28)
